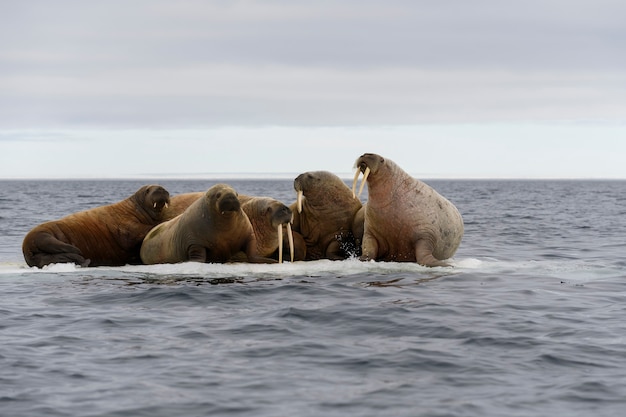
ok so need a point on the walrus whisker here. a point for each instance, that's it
(290, 238)
(364, 180)
(280, 243)
(299, 201)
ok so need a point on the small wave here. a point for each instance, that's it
(469, 263)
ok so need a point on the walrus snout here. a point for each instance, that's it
(368, 160)
(161, 203)
(297, 182)
(308, 182)
(365, 169)
(365, 164)
(229, 202)
(361, 164)
(297, 185)
(282, 216)
(159, 197)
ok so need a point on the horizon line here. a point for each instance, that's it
(290, 175)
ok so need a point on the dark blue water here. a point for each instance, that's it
(529, 322)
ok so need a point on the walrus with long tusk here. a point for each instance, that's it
(270, 219)
(405, 220)
(323, 215)
(212, 229)
(108, 235)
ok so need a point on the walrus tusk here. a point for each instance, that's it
(356, 178)
(280, 243)
(154, 205)
(290, 238)
(299, 201)
(166, 205)
(363, 181)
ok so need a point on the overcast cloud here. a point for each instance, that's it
(190, 69)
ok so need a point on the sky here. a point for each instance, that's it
(197, 88)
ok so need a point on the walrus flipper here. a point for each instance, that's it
(48, 243)
(47, 249)
(197, 253)
(334, 251)
(369, 248)
(42, 259)
(424, 255)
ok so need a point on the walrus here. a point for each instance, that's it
(108, 235)
(405, 220)
(323, 214)
(212, 229)
(270, 219)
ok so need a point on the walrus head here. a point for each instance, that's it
(280, 214)
(300, 184)
(367, 164)
(154, 198)
(279, 217)
(224, 198)
(313, 183)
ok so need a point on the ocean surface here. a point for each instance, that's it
(530, 320)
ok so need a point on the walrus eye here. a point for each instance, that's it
(218, 195)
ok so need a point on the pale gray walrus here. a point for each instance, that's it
(270, 218)
(405, 220)
(212, 229)
(109, 235)
(324, 212)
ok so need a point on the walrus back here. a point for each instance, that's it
(451, 230)
(108, 235)
(74, 238)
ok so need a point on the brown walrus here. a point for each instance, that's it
(212, 229)
(270, 220)
(108, 235)
(405, 219)
(266, 215)
(323, 214)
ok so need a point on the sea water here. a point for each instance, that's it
(529, 320)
